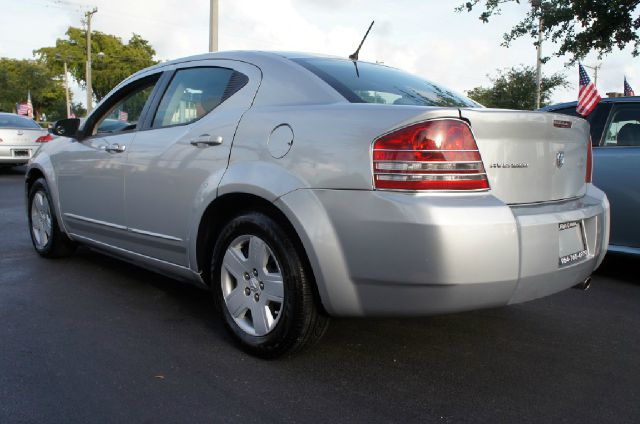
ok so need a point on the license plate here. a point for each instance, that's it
(572, 244)
(21, 153)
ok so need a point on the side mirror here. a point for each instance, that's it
(66, 127)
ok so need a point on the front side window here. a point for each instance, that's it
(362, 82)
(125, 114)
(624, 127)
(192, 93)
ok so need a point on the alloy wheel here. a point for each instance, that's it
(252, 285)
(41, 222)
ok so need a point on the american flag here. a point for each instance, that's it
(123, 116)
(588, 96)
(23, 109)
(628, 91)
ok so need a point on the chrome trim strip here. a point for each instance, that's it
(158, 235)
(107, 245)
(544, 202)
(470, 176)
(95, 221)
(121, 227)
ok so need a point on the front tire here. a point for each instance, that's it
(263, 290)
(47, 238)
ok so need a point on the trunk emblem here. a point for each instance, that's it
(559, 159)
(509, 165)
(20, 132)
(562, 124)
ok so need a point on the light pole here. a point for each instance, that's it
(66, 83)
(595, 72)
(89, 14)
(537, 4)
(213, 26)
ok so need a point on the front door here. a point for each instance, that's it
(184, 150)
(616, 170)
(91, 172)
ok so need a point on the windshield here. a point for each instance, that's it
(15, 121)
(362, 82)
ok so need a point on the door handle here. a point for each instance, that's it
(115, 148)
(205, 140)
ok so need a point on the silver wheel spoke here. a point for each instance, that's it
(39, 201)
(257, 253)
(273, 287)
(262, 320)
(236, 302)
(234, 263)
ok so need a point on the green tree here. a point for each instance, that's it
(112, 59)
(515, 88)
(578, 26)
(19, 77)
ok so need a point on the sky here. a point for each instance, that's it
(425, 37)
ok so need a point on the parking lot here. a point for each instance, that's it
(93, 339)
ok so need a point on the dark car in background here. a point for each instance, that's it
(615, 134)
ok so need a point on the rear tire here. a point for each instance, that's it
(47, 238)
(262, 288)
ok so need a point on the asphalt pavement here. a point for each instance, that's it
(93, 339)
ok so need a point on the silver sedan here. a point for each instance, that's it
(296, 187)
(20, 138)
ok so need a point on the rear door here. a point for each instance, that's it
(183, 151)
(616, 171)
(91, 172)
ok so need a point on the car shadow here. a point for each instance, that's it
(620, 266)
(16, 170)
(125, 276)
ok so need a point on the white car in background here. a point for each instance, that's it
(20, 138)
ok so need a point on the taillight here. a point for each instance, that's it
(433, 155)
(589, 175)
(44, 138)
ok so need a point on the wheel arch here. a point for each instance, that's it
(33, 174)
(224, 208)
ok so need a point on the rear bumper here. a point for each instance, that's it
(389, 253)
(17, 154)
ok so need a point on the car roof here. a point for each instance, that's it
(259, 58)
(630, 99)
(272, 65)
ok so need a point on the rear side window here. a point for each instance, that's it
(362, 82)
(194, 92)
(15, 121)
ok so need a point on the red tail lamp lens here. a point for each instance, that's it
(433, 155)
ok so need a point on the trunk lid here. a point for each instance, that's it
(531, 157)
(20, 136)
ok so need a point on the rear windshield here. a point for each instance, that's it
(362, 82)
(15, 121)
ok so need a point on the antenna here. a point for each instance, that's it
(354, 56)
